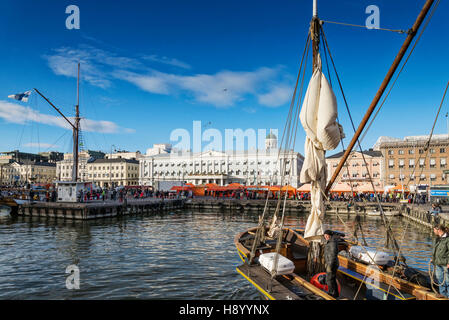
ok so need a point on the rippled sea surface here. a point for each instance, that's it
(180, 255)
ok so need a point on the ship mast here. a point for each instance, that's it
(315, 34)
(315, 262)
(75, 126)
(76, 130)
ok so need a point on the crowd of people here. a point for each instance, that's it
(122, 194)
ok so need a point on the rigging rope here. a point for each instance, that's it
(260, 228)
(390, 240)
(400, 71)
(365, 27)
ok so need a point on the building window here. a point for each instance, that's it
(442, 150)
(391, 163)
(421, 163)
(411, 151)
(401, 163)
(390, 152)
(443, 163)
(411, 163)
(432, 150)
(401, 152)
(432, 162)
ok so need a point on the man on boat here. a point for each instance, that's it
(440, 258)
(331, 261)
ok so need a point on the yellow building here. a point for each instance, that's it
(408, 162)
(22, 173)
(113, 172)
(355, 170)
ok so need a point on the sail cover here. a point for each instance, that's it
(318, 117)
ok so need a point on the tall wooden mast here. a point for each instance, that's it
(315, 34)
(315, 262)
(381, 90)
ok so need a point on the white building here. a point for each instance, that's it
(124, 155)
(246, 167)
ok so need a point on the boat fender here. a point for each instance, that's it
(319, 281)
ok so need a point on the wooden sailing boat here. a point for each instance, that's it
(284, 263)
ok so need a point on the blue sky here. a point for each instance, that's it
(150, 67)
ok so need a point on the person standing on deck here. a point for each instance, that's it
(440, 258)
(331, 261)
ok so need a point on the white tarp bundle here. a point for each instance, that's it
(318, 117)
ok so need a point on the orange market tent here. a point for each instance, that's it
(274, 188)
(368, 188)
(341, 187)
(400, 188)
(217, 188)
(289, 189)
(179, 188)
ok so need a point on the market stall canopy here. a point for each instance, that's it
(368, 188)
(274, 188)
(235, 186)
(400, 188)
(181, 188)
(341, 187)
(305, 188)
(211, 185)
(289, 189)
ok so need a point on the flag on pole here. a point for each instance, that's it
(21, 96)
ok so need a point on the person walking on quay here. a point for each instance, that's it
(331, 261)
(440, 258)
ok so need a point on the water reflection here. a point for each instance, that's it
(181, 255)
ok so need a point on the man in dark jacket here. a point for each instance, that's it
(331, 261)
(440, 258)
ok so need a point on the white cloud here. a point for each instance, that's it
(222, 89)
(15, 113)
(276, 97)
(96, 64)
(169, 61)
(40, 145)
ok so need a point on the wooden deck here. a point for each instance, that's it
(282, 288)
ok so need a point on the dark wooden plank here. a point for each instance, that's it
(281, 287)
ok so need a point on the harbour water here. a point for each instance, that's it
(178, 255)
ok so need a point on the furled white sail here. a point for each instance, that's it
(318, 117)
